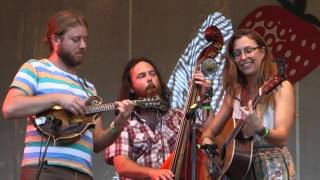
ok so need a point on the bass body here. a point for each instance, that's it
(181, 162)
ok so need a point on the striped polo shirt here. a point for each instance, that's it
(38, 77)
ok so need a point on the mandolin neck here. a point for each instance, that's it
(100, 108)
(151, 103)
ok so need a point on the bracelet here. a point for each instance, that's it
(265, 133)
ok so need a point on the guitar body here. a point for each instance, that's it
(63, 126)
(233, 159)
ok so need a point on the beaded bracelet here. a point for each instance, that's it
(266, 132)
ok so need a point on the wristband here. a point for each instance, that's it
(265, 132)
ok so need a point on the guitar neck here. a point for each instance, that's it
(111, 106)
(241, 122)
(256, 99)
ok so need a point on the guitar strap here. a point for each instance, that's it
(82, 82)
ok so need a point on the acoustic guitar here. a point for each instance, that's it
(234, 152)
(65, 127)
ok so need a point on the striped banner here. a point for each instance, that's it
(178, 82)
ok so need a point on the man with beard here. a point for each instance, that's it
(150, 136)
(41, 84)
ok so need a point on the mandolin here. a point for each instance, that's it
(64, 127)
(234, 152)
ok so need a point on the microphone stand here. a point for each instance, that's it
(191, 116)
(211, 151)
(55, 126)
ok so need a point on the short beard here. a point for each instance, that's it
(67, 58)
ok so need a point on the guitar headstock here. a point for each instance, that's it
(153, 103)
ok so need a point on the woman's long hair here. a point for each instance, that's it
(233, 79)
(126, 86)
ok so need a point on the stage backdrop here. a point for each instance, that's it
(119, 30)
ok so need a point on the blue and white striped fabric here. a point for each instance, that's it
(178, 82)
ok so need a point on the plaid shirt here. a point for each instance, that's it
(144, 146)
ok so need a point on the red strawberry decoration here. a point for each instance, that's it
(290, 35)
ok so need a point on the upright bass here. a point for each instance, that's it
(179, 161)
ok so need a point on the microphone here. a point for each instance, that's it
(208, 67)
(210, 149)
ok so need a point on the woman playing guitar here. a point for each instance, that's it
(249, 64)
